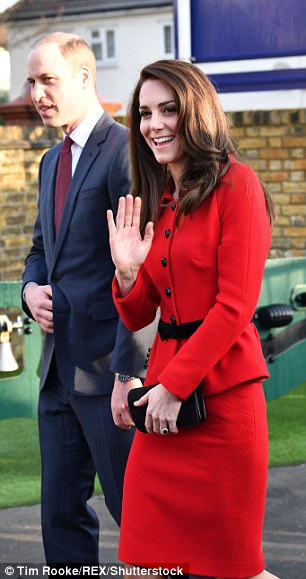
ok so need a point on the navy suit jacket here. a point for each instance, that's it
(78, 266)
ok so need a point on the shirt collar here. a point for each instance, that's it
(81, 133)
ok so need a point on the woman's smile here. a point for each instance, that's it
(158, 141)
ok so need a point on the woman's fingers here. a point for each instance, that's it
(128, 218)
(110, 221)
(120, 218)
(128, 213)
(142, 401)
(162, 412)
(128, 249)
(149, 232)
(136, 212)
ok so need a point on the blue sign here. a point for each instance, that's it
(241, 29)
(229, 30)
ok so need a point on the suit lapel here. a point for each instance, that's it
(87, 158)
(49, 183)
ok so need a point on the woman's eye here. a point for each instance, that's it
(170, 110)
(144, 114)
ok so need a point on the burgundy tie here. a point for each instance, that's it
(63, 180)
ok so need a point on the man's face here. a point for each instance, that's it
(56, 88)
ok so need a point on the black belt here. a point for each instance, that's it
(177, 332)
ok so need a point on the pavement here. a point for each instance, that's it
(21, 551)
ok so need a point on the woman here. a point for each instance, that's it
(192, 239)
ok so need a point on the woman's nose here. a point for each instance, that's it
(156, 122)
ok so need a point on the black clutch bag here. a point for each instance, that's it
(191, 412)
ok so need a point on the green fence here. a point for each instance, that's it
(280, 319)
(19, 389)
(284, 285)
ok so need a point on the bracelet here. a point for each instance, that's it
(124, 377)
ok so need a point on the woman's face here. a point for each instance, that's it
(158, 125)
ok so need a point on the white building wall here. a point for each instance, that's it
(139, 42)
(5, 70)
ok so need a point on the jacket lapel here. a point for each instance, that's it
(49, 183)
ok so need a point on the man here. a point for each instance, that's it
(67, 290)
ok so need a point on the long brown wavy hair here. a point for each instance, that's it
(203, 131)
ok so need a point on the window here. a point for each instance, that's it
(103, 41)
(167, 39)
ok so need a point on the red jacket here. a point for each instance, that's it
(209, 268)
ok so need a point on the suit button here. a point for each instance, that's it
(55, 278)
(173, 320)
(168, 292)
(167, 233)
(163, 261)
(173, 206)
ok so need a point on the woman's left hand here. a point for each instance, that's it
(162, 412)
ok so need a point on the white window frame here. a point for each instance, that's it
(165, 24)
(101, 39)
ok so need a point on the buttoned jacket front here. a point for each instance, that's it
(209, 267)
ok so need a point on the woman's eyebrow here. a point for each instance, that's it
(159, 104)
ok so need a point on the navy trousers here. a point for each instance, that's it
(78, 439)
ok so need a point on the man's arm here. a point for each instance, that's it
(35, 273)
(130, 358)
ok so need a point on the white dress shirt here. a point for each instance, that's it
(81, 133)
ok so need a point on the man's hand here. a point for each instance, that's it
(121, 414)
(39, 300)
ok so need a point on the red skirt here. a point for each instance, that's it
(197, 499)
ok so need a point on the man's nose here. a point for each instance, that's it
(37, 92)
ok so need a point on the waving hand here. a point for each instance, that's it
(128, 248)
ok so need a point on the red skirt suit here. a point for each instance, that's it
(197, 498)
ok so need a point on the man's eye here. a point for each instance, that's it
(48, 79)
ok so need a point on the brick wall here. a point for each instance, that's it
(21, 149)
(272, 142)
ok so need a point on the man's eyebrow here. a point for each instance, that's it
(42, 76)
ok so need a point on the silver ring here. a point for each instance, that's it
(164, 430)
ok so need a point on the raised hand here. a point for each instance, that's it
(128, 248)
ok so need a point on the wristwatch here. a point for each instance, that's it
(124, 377)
